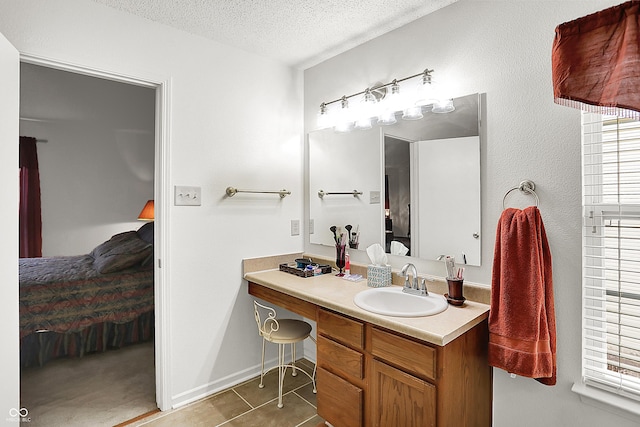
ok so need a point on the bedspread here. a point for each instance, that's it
(67, 294)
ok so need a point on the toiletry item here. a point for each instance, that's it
(340, 258)
(303, 262)
(450, 263)
(347, 262)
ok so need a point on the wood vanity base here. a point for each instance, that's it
(371, 376)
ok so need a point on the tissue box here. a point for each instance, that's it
(378, 275)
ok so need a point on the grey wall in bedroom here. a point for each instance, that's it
(97, 168)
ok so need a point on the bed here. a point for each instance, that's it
(73, 305)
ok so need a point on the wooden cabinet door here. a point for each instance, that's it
(399, 399)
(339, 402)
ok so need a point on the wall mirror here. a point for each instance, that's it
(413, 187)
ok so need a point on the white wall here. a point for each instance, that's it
(97, 166)
(214, 341)
(502, 49)
(9, 108)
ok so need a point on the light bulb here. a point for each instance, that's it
(425, 92)
(363, 123)
(391, 104)
(344, 121)
(443, 106)
(387, 118)
(412, 113)
(324, 118)
(366, 110)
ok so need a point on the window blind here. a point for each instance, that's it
(611, 253)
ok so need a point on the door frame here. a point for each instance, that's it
(162, 197)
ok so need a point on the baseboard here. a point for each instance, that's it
(229, 381)
(221, 384)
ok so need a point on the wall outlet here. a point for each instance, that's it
(295, 227)
(187, 196)
(374, 197)
(312, 226)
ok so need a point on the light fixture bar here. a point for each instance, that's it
(426, 73)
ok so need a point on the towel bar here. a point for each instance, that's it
(231, 191)
(527, 187)
(354, 193)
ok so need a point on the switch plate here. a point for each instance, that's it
(311, 226)
(187, 196)
(374, 197)
(295, 227)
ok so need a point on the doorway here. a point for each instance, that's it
(160, 177)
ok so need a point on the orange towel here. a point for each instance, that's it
(522, 325)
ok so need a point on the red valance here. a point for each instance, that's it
(596, 61)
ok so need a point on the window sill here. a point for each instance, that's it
(601, 399)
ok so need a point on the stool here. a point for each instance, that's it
(282, 332)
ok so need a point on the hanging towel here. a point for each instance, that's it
(522, 326)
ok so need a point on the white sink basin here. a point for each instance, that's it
(391, 301)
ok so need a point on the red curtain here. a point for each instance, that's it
(596, 61)
(30, 218)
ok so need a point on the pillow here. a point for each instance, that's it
(122, 251)
(146, 232)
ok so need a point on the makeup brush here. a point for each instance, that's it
(348, 227)
(333, 228)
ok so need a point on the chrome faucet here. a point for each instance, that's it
(414, 288)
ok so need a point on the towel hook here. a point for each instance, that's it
(527, 186)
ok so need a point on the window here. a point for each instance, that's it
(611, 253)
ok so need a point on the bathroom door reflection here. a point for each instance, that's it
(397, 193)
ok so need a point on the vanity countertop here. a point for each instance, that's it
(337, 294)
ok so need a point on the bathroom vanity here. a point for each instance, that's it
(382, 371)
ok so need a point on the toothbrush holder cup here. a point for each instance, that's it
(455, 289)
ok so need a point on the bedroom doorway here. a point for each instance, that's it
(149, 165)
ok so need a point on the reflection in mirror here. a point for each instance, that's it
(421, 178)
(397, 195)
(342, 163)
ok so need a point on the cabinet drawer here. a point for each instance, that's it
(348, 331)
(337, 357)
(404, 353)
(339, 402)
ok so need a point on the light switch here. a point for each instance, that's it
(295, 227)
(312, 226)
(187, 196)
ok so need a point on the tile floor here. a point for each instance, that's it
(248, 405)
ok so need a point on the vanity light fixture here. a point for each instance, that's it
(324, 119)
(392, 103)
(384, 101)
(344, 119)
(366, 110)
(425, 90)
(443, 106)
(412, 113)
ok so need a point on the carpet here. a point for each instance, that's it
(102, 389)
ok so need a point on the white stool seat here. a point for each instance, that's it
(282, 332)
(290, 331)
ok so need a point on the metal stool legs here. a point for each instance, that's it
(282, 369)
(282, 332)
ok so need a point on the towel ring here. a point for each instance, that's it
(526, 187)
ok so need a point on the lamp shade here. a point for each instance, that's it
(147, 212)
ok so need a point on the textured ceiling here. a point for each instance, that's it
(300, 33)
